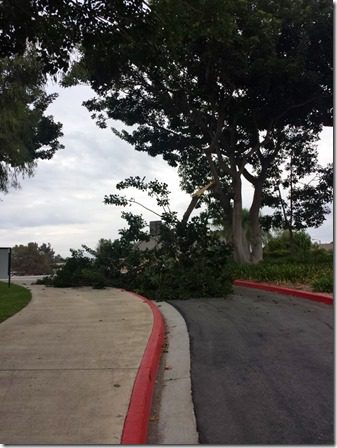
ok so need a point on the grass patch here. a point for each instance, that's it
(12, 299)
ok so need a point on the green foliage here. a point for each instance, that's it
(94, 278)
(282, 272)
(56, 28)
(181, 267)
(319, 255)
(291, 260)
(33, 259)
(155, 189)
(291, 246)
(191, 262)
(324, 283)
(299, 189)
(75, 271)
(198, 82)
(26, 132)
(12, 299)
(222, 89)
(188, 260)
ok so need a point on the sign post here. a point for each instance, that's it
(5, 263)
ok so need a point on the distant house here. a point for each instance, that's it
(148, 245)
(154, 237)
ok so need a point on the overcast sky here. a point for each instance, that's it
(63, 203)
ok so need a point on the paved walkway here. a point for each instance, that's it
(67, 366)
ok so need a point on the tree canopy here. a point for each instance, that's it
(27, 133)
(302, 196)
(218, 87)
(33, 259)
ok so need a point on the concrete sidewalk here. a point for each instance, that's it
(67, 366)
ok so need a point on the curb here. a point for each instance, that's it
(287, 291)
(135, 430)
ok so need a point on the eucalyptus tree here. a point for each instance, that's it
(221, 81)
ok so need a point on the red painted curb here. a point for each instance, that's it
(135, 428)
(288, 291)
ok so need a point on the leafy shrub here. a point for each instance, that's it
(191, 274)
(286, 248)
(73, 272)
(319, 255)
(189, 261)
(323, 284)
(90, 276)
(47, 280)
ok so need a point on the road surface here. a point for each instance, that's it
(262, 368)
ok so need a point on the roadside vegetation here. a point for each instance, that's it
(294, 262)
(187, 261)
(12, 299)
(173, 259)
(193, 263)
(184, 259)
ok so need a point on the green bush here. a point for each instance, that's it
(91, 277)
(74, 272)
(189, 262)
(186, 277)
(283, 248)
(324, 283)
(318, 255)
(47, 280)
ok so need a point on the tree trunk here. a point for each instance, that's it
(240, 246)
(254, 225)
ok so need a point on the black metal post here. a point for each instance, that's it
(9, 266)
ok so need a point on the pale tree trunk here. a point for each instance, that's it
(240, 246)
(255, 226)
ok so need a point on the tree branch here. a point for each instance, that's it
(295, 106)
(190, 209)
(178, 134)
(138, 203)
(252, 179)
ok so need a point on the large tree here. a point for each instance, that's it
(221, 81)
(48, 26)
(27, 133)
(39, 39)
(56, 28)
(300, 190)
(218, 81)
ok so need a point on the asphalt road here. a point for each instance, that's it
(262, 368)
